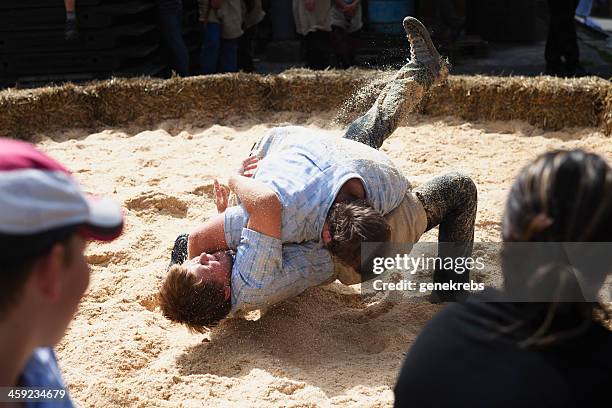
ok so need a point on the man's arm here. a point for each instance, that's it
(265, 273)
(207, 237)
(210, 236)
(258, 267)
(261, 203)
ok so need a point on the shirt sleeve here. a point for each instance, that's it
(236, 218)
(272, 141)
(266, 272)
(385, 187)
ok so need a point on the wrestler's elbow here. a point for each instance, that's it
(267, 202)
(265, 217)
(272, 203)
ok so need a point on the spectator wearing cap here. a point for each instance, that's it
(346, 24)
(45, 223)
(312, 21)
(170, 14)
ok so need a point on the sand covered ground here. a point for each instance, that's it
(319, 349)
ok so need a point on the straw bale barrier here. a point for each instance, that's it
(550, 103)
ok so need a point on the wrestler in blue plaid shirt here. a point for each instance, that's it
(306, 170)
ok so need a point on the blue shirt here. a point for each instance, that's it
(306, 169)
(266, 272)
(42, 371)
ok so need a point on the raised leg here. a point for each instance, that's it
(403, 93)
(401, 96)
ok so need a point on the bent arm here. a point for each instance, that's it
(207, 237)
(266, 273)
(262, 204)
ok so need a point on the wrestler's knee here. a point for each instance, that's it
(463, 184)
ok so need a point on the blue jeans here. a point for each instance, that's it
(173, 46)
(218, 55)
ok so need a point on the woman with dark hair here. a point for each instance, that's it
(511, 350)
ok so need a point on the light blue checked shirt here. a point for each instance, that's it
(266, 272)
(306, 168)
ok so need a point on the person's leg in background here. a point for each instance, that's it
(71, 32)
(251, 20)
(309, 50)
(340, 43)
(322, 49)
(230, 15)
(552, 53)
(211, 44)
(228, 56)
(562, 42)
(313, 23)
(245, 50)
(173, 45)
(353, 41)
(317, 49)
(569, 39)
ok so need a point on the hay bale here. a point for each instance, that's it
(303, 90)
(546, 102)
(151, 100)
(550, 103)
(142, 101)
(606, 119)
(25, 112)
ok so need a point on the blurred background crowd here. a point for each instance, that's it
(50, 41)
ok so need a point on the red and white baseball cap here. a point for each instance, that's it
(37, 194)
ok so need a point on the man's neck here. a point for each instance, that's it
(16, 348)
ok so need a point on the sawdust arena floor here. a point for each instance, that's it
(319, 349)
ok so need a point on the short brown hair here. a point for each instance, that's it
(352, 223)
(198, 305)
(19, 254)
